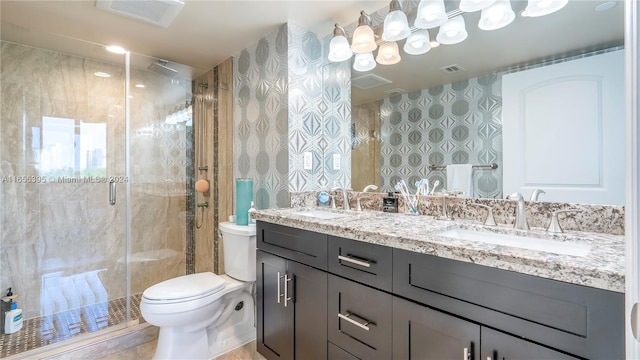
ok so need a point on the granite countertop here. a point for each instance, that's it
(603, 267)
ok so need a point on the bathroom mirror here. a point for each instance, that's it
(581, 27)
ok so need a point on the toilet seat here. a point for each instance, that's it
(184, 288)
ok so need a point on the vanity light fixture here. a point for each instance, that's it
(474, 5)
(388, 53)
(396, 26)
(339, 49)
(418, 43)
(431, 14)
(453, 31)
(496, 16)
(537, 8)
(364, 62)
(363, 39)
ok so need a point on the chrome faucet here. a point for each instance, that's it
(521, 213)
(536, 194)
(444, 215)
(345, 197)
(366, 188)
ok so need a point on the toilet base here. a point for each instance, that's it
(237, 329)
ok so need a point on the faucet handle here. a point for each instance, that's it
(333, 201)
(554, 225)
(489, 220)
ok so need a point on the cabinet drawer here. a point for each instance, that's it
(360, 261)
(360, 319)
(546, 311)
(335, 353)
(306, 247)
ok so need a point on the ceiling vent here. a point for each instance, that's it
(369, 81)
(452, 68)
(157, 12)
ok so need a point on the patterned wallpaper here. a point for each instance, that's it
(453, 124)
(288, 101)
(337, 126)
(260, 117)
(306, 133)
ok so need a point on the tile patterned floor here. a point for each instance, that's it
(39, 332)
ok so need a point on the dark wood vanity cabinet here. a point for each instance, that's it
(500, 346)
(578, 320)
(423, 333)
(360, 319)
(349, 300)
(291, 298)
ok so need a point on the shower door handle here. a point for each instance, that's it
(112, 192)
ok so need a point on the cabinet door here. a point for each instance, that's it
(309, 289)
(420, 332)
(500, 346)
(274, 320)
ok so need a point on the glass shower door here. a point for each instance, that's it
(63, 241)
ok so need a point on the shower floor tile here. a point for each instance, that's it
(39, 332)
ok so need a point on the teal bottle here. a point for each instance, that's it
(244, 196)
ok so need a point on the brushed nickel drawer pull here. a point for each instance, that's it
(279, 295)
(356, 323)
(354, 261)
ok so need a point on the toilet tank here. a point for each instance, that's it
(239, 247)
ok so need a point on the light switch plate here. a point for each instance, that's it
(308, 161)
(336, 161)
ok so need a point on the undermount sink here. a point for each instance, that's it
(318, 214)
(523, 242)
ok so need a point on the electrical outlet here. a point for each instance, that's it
(308, 161)
(336, 161)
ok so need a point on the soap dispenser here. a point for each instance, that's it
(13, 318)
(252, 209)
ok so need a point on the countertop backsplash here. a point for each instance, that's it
(605, 219)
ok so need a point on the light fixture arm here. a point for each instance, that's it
(395, 5)
(339, 31)
(364, 19)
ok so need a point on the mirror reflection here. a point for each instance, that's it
(447, 106)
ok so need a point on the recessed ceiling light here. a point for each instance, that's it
(141, 86)
(115, 49)
(101, 74)
(606, 6)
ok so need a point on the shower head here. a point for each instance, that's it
(161, 68)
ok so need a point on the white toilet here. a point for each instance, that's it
(205, 315)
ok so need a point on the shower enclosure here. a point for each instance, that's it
(96, 173)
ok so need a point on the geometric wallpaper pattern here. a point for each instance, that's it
(305, 120)
(288, 100)
(336, 104)
(456, 123)
(260, 116)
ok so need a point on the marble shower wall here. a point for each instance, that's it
(456, 123)
(59, 222)
(289, 101)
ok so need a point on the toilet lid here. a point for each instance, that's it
(186, 286)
